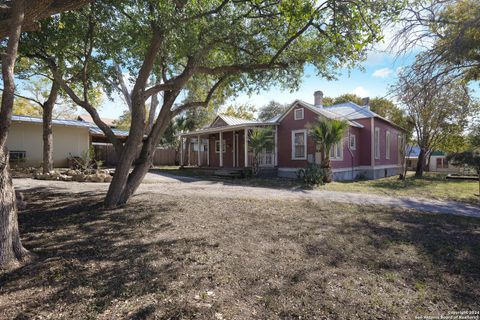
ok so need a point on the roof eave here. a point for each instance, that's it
(227, 128)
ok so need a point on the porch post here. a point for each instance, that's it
(246, 147)
(181, 151)
(189, 153)
(199, 159)
(221, 149)
(276, 146)
(208, 151)
(234, 151)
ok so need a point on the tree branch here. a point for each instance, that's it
(36, 10)
(204, 103)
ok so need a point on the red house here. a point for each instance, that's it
(372, 147)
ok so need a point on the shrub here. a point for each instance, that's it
(312, 175)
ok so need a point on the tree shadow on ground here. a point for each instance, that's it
(91, 254)
(263, 260)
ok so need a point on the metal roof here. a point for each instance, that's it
(234, 121)
(117, 132)
(414, 152)
(92, 128)
(351, 110)
(61, 122)
(320, 111)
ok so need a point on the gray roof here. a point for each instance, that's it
(61, 122)
(92, 128)
(117, 132)
(324, 112)
(351, 110)
(234, 121)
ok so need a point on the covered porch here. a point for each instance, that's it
(224, 147)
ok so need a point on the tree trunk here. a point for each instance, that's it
(327, 170)
(427, 165)
(47, 128)
(125, 183)
(152, 112)
(12, 253)
(420, 163)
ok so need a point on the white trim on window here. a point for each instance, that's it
(336, 151)
(299, 114)
(387, 144)
(352, 146)
(377, 143)
(294, 154)
(217, 146)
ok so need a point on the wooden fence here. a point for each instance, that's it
(162, 157)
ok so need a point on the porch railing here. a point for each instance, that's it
(265, 159)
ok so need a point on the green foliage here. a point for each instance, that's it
(243, 111)
(124, 121)
(389, 110)
(327, 132)
(260, 140)
(272, 109)
(474, 137)
(458, 43)
(439, 109)
(469, 158)
(24, 107)
(341, 99)
(312, 175)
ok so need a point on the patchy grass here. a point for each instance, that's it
(208, 258)
(432, 186)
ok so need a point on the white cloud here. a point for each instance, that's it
(382, 73)
(361, 92)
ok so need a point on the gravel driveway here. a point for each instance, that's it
(166, 184)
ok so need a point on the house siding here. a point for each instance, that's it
(67, 140)
(228, 155)
(351, 158)
(355, 164)
(394, 132)
(287, 125)
(364, 142)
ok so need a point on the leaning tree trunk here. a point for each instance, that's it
(420, 163)
(47, 128)
(12, 253)
(125, 183)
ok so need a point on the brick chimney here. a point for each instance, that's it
(366, 102)
(318, 98)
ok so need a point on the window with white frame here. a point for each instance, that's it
(217, 146)
(377, 143)
(299, 144)
(352, 142)
(336, 151)
(387, 144)
(298, 114)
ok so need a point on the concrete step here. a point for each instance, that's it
(232, 173)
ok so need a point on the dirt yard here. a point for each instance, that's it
(198, 257)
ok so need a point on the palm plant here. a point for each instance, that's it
(260, 139)
(326, 133)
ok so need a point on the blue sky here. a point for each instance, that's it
(380, 69)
